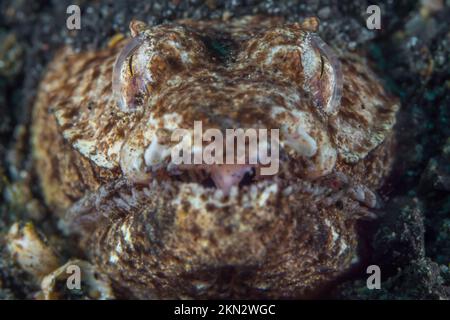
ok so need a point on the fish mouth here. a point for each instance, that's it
(244, 183)
(233, 186)
(194, 188)
(223, 177)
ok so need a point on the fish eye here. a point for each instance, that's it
(119, 88)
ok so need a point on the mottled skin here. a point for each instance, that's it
(158, 235)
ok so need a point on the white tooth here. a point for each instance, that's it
(302, 142)
(173, 169)
(364, 195)
(371, 198)
(218, 194)
(358, 194)
(132, 163)
(234, 192)
(287, 191)
(155, 154)
(253, 191)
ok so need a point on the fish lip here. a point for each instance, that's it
(173, 174)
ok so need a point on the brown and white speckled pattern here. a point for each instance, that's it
(163, 236)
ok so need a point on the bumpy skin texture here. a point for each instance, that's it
(163, 235)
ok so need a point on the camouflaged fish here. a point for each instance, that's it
(101, 138)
